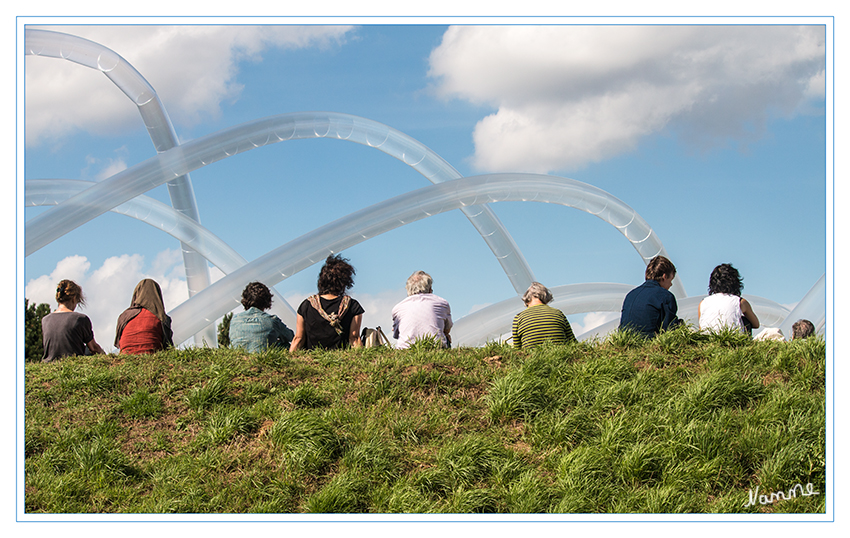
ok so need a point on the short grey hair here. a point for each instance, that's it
(537, 290)
(419, 282)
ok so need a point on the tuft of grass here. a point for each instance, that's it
(141, 404)
(308, 443)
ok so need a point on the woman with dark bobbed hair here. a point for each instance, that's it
(330, 319)
(724, 307)
(144, 327)
(255, 330)
(65, 332)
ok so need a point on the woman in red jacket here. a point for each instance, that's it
(144, 327)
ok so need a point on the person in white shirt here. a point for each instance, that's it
(422, 314)
(724, 307)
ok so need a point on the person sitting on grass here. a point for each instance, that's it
(802, 328)
(724, 308)
(144, 327)
(330, 319)
(651, 307)
(65, 332)
(539, 322)
(255, 330)
(422, 314)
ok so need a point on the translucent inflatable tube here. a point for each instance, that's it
(93, 55)
(343, 233)
(811, 307)
(770, 313)
(493, 322)
(365, 132)
(41, 192)
(124, 185)
(203, 151)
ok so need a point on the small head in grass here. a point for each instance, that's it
(802, 328)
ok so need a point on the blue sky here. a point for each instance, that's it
(716, 135)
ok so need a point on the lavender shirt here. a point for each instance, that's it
(421, 315)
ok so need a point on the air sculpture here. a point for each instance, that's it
(77, 202)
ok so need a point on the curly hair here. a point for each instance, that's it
(658, 267)
(67, 291)
(725, 279)
(336, 276)
(256, 294)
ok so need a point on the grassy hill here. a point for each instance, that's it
(685, 423)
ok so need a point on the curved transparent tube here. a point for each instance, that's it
(41, 192)
(141, 93)
(343, 233)
(811, 307)
(191, 155)
(494, 321)
(770, 313)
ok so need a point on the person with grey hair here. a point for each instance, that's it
(539, 322)
(422, 314)
(802, 328)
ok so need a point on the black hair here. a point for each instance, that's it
(725, 279)
(336, 276)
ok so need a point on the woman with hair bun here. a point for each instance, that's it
(724, 307)
(144, 327)
(65, 332)
(330, 319)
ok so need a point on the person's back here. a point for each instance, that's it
(539, 324)
(724, 308)
(142, 334)
(651, 307)
(65, 334)
(721, 311)
(422, 314)
(254, 330)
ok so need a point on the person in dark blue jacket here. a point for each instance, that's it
(651, 307)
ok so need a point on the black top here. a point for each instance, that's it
(318, 332)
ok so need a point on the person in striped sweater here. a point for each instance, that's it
(539, 322)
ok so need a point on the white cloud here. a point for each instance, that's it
(109, 288)
(570, 95)
(592, 320)
(192, 68)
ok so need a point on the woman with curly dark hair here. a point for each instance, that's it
(330, 319)
(724, 307)
(64, 331)
(255, 330)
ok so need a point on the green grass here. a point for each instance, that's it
(687, 423)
